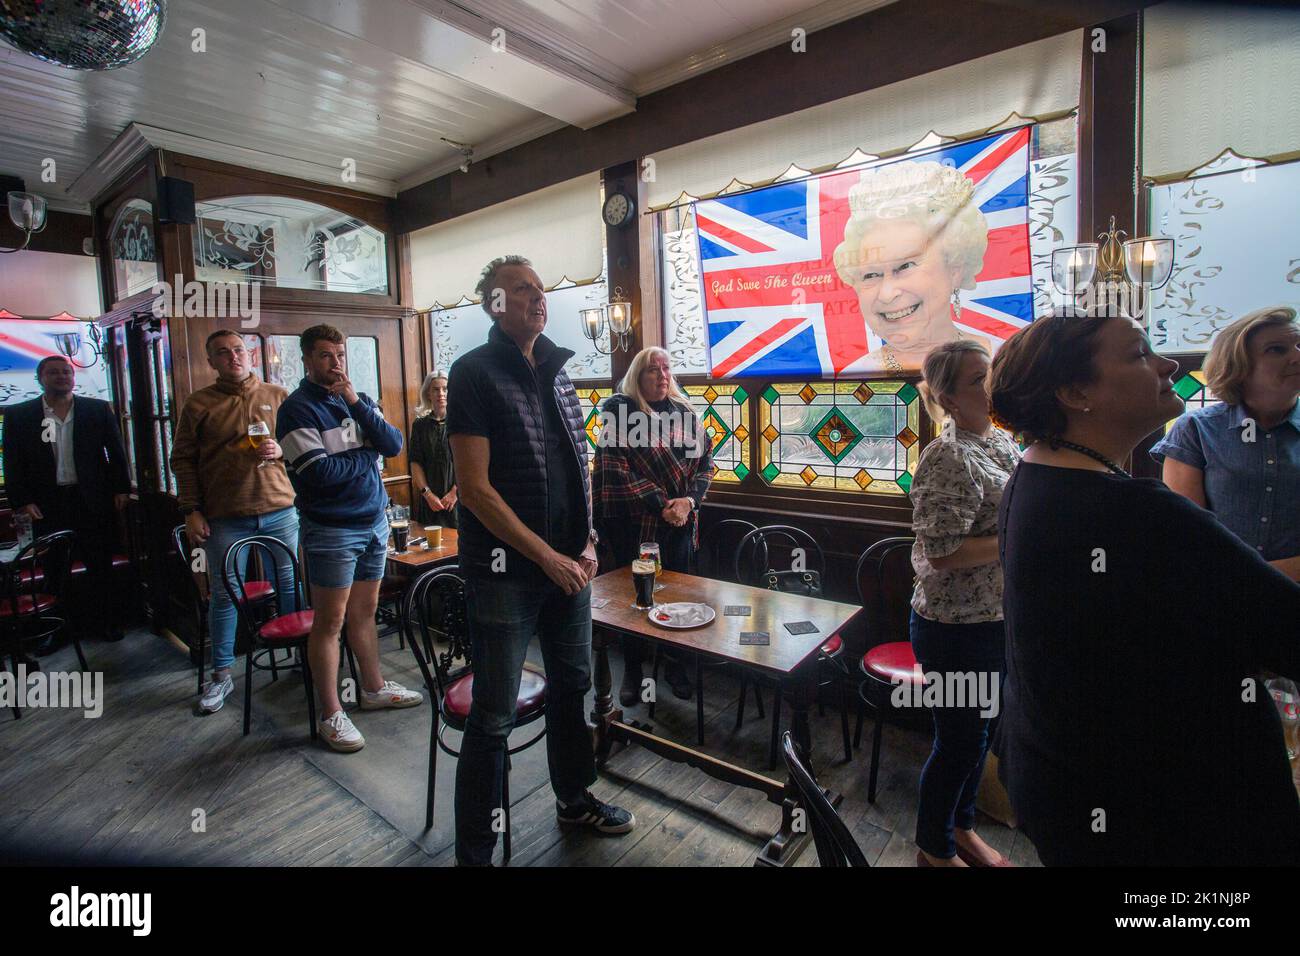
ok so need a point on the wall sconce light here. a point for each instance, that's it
(1130, 269)
(618, 314)
(70, 345)
(26, 212)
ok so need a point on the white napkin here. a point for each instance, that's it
(681, 614)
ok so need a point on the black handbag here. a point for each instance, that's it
(806, 583)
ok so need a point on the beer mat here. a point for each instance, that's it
(598, 603)
(802, 627)
(755, 637)
(737, 610)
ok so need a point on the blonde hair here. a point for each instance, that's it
(1228, 365)
(936, 197)
(423, 406)
(940, 370)
(631, 383)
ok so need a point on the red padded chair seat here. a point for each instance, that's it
(460, 694)
(119, 561)
(892, 663)
(26, 605)
(255, 591)
(832, 647)
(287, 627)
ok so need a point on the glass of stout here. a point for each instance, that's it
(643, 579)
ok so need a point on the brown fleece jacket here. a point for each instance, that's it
(216, 468)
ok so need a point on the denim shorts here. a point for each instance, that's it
(338, 556)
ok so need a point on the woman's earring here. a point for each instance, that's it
(956, 305)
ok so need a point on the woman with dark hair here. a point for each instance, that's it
(1240, 457)
(956, 623)
(1134, 729)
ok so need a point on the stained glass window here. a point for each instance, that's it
(1191, 388)
(840, 436)
(724, 414)
(590, 399)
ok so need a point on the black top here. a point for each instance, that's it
(532, 420)
(430, 449)
(1135, 625)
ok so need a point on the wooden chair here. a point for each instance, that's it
(434, 607)
(835, 844)
(889, 661)
(280, 632)
(754, 567)
(33, 597)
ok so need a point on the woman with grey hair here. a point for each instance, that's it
(913, 240)
(956, 623)
(433, 476)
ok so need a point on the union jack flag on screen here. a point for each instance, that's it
(776, 305)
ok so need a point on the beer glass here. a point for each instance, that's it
(643, 579)
(258, 432)
(649, 551)
(400, 524)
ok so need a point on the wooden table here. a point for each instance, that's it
(415, 559)
(790, 658)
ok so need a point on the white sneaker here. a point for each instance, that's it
(214, 695)
(339, 733)
(392, 694)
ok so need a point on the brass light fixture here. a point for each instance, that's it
(1126, 272)
(617, 313)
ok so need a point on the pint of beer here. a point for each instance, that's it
(643, 577)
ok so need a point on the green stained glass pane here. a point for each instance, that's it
(770, 471)
(907, 392)
(741, 471)
(1187, 386)
(739, 394)
(770, 394)
(905, 481)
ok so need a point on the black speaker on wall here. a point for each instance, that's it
(175, 200)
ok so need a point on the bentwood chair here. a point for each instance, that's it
(33, 597)
(279, 632)
(755, 567)
(259, 592)
(434, 609)
(890, 661)
(835, 844)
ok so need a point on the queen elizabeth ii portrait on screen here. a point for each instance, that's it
(913, 241)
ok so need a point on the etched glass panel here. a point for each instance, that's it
(841, 436)
(132, 239)
(284, 361)
(288, 243)
(683, 304)
(363, 365)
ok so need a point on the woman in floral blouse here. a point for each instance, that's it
(956, 623)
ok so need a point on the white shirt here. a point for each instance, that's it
(65, 466)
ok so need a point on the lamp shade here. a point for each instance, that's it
(27, 211)
(1073, 268)
(1149, 261)
(593, 322)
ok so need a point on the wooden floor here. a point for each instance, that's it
(134, 785)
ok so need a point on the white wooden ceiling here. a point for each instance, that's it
(299, 86)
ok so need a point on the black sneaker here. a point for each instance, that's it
(629, 695)
(599, 816)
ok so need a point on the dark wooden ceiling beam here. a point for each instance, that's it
(885, 46)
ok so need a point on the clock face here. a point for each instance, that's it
(618, 209)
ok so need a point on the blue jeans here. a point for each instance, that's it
(283, 525)
(503, 617)
(950, 778)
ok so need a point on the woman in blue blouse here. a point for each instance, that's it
(1241, 458)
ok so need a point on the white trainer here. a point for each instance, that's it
(340, 734)
(214, 695)
(392, 694)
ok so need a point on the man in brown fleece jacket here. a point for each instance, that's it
(230, 490)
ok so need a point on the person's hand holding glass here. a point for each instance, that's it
(259, 437)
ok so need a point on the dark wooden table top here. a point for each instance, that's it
(415, 557)
(769, 611)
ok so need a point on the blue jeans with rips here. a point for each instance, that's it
(504, 615)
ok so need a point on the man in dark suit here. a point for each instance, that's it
(66, 468)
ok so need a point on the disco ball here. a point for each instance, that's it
(83, 34)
